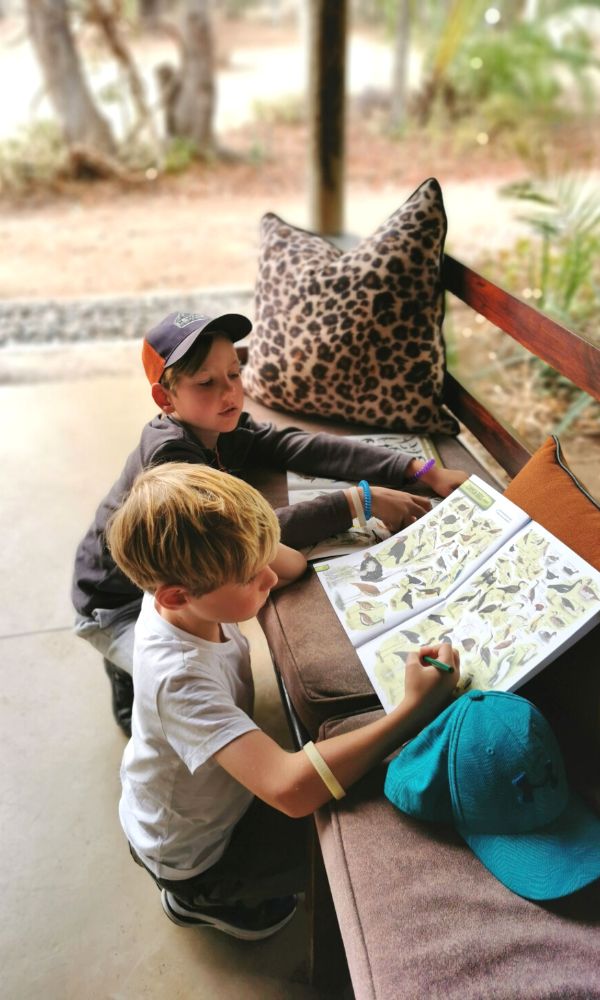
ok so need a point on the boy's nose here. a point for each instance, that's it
(270, 579)
(228, 390)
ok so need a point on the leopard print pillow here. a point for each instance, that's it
(354, 335)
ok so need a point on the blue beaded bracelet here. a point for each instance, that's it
(367, 498)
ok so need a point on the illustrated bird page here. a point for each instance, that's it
(374, 590)
(531, 601)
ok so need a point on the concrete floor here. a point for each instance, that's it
(78, 918)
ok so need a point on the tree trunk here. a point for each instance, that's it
(54, 45)
(194, 108)
(151, 12)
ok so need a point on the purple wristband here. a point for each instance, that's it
(422, 471)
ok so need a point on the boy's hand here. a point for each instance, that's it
(443, 481)
(428, 688)
(397, 509)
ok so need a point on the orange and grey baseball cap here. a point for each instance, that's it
(177, 333)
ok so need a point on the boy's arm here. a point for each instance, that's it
(289, 782)
(288, 564)
(312, 520)
(330, 455)
(337, 457)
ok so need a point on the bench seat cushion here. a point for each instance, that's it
(421, 917)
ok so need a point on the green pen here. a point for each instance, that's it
(438, 663)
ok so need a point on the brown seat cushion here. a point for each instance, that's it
(421, 917)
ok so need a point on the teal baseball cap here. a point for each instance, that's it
(491, 765)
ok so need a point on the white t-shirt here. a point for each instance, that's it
(192, 697)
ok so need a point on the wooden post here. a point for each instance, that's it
(326, 110)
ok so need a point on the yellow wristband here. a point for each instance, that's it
(327, 776)
(358, 507)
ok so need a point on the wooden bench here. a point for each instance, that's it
(364, 854)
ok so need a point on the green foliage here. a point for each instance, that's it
(111, 93)
(235, 8)
(179, 155)
(130, 10)
(562, 261)
(35, 157)
(374, 12)
(503, 74)
(287, 110)
(514, 78)
(557, 265)
(257, 154)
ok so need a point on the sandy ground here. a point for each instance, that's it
(201, 228)
(175, 237)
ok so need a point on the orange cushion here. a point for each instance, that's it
(568, 690)
(549, 492)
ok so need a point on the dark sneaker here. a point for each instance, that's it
(122, 695)
(250, 923)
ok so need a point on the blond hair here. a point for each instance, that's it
(191, 526)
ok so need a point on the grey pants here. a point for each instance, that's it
(110, 631)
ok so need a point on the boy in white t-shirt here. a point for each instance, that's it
(210, 803)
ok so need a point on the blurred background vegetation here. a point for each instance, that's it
(129, 89)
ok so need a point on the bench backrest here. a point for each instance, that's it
(571, 355)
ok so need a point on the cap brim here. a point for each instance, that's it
(234, 325)
(545, 864)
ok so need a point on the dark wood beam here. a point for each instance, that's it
(326, 114)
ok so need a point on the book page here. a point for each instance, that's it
(375, 590)
(527, 604)
(303, 487)
(415, 445)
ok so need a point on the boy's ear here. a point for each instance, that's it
(162, 398)
(171, 597)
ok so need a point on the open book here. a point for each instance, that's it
(302, 487)
(475, 570)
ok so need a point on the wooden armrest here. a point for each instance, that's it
(501, 441)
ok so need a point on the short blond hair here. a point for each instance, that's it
(191, 526)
